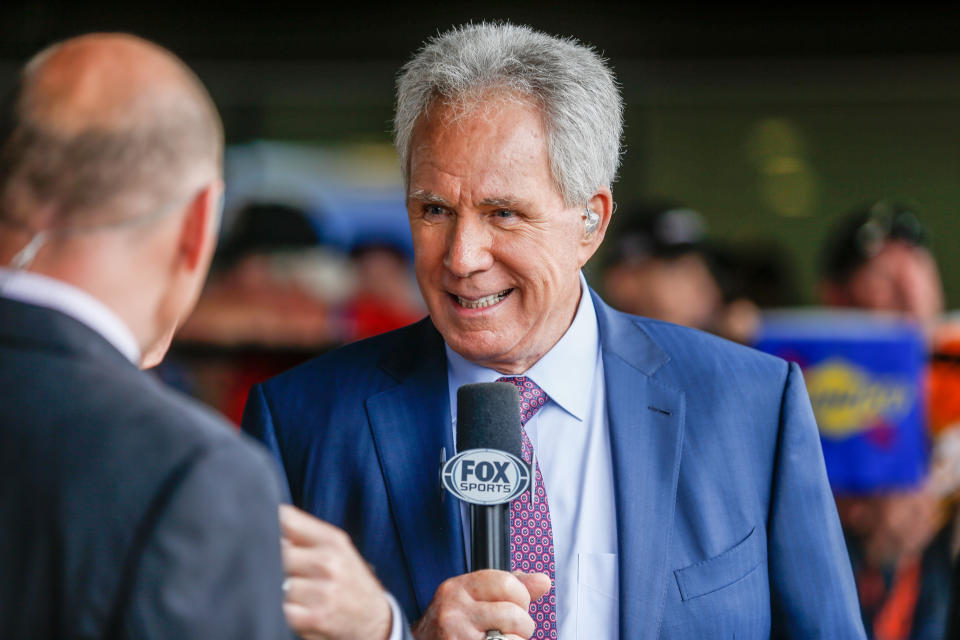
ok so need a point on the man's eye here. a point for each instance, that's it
(434, 210)
(504, 213)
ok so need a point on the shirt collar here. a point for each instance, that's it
(42, 291)
(565, 373)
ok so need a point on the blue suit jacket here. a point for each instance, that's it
(726, 524)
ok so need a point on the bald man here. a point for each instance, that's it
(129, 511)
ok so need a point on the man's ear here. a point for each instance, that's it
(201, 220)
(600, 204)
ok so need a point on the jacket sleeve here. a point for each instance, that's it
(811, 583)
(210, 563)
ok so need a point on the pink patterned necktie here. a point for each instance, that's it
(531, 534)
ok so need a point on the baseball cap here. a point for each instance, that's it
(862, 233)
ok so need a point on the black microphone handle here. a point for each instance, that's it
(490, 535)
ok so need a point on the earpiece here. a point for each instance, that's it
(591, 220)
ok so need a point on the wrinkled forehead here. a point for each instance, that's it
(499, 145)
(458, 115)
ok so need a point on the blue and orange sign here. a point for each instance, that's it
(864, 376)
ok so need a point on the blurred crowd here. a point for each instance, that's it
(901, 534)
(278, 294)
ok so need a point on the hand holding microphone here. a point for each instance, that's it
(466, 607)
(487, 473)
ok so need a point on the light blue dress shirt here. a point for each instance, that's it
(571, 442)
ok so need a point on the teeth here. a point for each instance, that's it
(485, 301)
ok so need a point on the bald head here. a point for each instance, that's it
(102, 128)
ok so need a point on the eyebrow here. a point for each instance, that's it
(423, 195)
(428, 196)
(506, 202)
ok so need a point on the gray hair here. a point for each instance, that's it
(570, 82)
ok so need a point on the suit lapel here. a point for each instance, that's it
(646, 432)
(411, 426)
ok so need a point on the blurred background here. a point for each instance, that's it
(780, 163)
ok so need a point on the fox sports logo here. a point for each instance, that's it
(485, 476)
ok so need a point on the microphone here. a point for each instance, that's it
(488, 471)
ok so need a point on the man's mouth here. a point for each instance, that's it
(485, 301)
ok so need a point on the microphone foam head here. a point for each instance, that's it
(488, 417)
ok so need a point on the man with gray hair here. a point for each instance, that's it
(680, 489)
(128, 510)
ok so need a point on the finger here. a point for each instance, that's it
(321, 597)
(316, 562)
(505, 616)
(490, 585)
(537, 584)
(301, 619)
(308, 592)
(300, 528)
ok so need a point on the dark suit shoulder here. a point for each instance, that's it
(169, 424)
(101, 425)
(97, 451)
(112, 423)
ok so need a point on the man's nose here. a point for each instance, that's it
(469, 248)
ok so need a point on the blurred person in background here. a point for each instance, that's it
(753, 277)
(280, 290)
(385, 295)
(657, 267)
(660, 264)
(128, 510)
(273, 283)
(269, 303)
(877, 258)
(901, 542)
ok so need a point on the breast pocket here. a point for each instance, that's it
(724, 570)
(597, 593)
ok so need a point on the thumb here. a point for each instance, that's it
(537, 584)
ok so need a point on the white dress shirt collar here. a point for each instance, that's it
(570, 386)
(42, 291)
